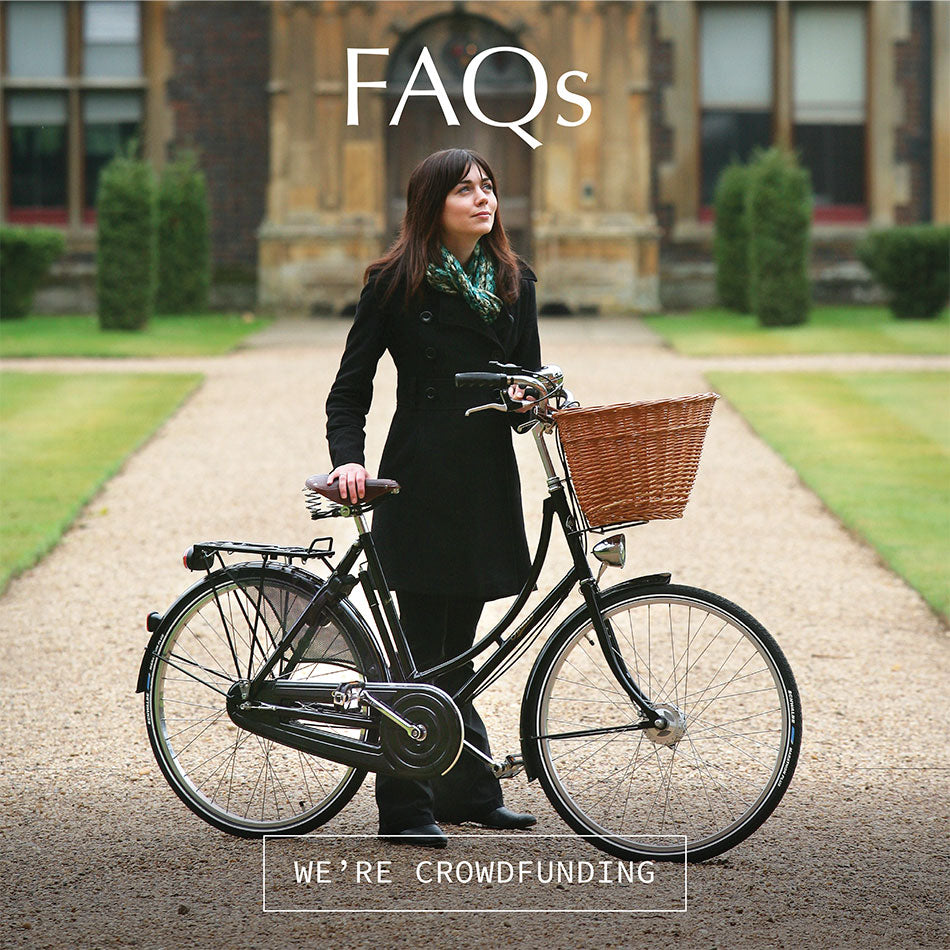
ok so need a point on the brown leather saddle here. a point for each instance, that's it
(375, 488)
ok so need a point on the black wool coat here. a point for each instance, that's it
(456, 527)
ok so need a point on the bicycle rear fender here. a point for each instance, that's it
(164, 620)
(531, 766)
(174, 611)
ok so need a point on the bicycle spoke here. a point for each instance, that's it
(729, 722)
(183, 702)
(626, 801)
(729, 682)
(229, 764)
(212, 719)
(733, 745)
(197, 679)
(702, 779)
(699, 712)
(191, 662)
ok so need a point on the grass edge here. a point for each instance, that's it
(31, 560)
(852, 531)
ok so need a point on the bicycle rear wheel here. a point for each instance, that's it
(221, 631)
(719, 769)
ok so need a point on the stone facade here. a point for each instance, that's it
(608, 212)
(588, 216)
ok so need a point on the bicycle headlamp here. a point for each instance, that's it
(612, 551)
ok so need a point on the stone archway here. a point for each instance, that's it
(505, 90)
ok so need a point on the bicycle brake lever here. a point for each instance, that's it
(508, 369)
(491, 405)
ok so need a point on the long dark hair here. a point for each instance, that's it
(404, 265)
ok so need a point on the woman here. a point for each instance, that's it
(448, 297)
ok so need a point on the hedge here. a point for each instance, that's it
(913, 265)
(127, 213)
(731, 242)
(184, 244)
(25, 258)
(779, 208)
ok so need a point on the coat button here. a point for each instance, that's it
(425, 316)
(430, 352)
(430, 393)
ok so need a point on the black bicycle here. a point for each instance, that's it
(652, 711)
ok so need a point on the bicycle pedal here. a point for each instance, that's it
(508, 767)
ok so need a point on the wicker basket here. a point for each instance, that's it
(636, 461)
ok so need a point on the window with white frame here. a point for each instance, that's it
(829, 100)
(73, 91)
(736, 88)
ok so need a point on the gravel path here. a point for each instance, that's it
(97, 851)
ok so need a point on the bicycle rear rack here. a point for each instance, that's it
(201, 556)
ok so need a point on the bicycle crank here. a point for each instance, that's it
(420, 731)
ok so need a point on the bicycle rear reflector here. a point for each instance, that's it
(196, 560)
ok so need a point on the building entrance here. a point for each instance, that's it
(505, 91)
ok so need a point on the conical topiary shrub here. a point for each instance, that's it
(184, 244)
(731, 242)
(127, 220)
(778, 214)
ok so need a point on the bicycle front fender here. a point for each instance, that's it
(545, 657)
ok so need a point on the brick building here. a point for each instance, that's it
(614, 212)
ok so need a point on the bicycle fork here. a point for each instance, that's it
(608, 643)
(591, 592)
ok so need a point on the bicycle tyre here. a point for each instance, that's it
(239, 782)
(736, 725)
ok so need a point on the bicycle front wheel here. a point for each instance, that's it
(222, 631)
(724, 761)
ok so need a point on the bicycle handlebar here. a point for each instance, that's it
(548, 383)
(481, 380)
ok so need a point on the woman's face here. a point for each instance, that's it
(469, 209)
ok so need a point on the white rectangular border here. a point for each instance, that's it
(462, 910)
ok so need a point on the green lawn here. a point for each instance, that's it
(875, 447)
(717, 332)
(61, 436)
(204, 335)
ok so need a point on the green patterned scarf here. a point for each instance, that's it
(476, 283)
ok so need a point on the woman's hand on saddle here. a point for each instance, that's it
(352, 478)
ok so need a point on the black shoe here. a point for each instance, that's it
(424, 836)
(500, 818)
(506, 819)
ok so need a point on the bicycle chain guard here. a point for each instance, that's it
(437, 751)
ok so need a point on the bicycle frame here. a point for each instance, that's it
(392, 638)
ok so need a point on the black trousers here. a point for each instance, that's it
(437, 628)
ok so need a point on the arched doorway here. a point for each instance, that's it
(505, 91)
